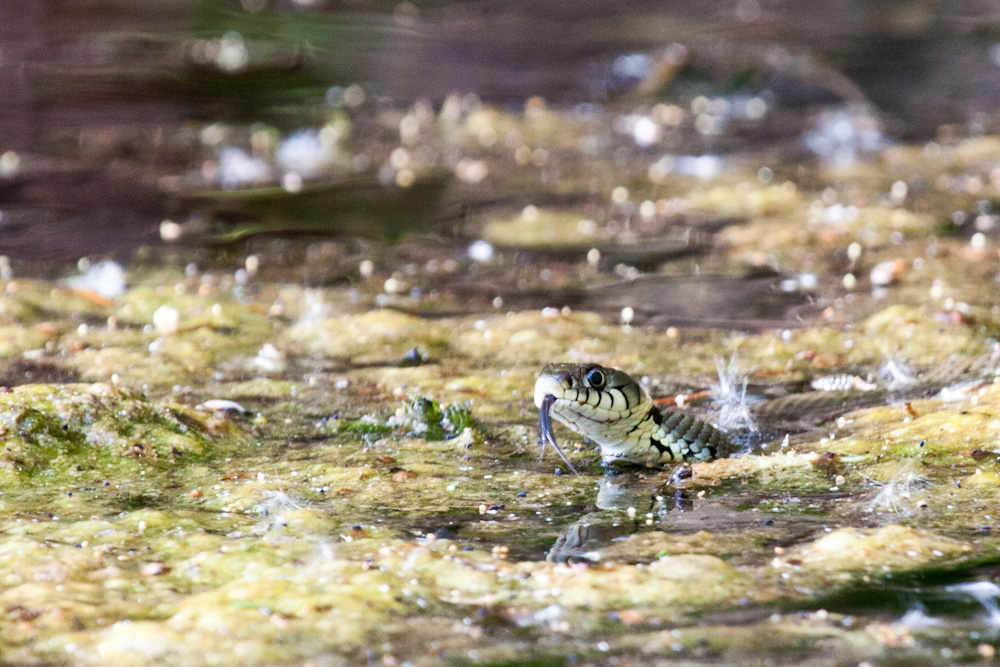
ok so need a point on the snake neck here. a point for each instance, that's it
(665, 436)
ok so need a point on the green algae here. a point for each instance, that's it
(418, 417)
(425, 416)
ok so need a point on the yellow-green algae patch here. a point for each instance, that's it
(943, 429)
(15, 340)
(510, 340)
(780, 232)
(904, 334)
(32, 301)
(129, 540)
(654, 544)
(745, 199)
(209, 545)
(541, 228)
(329, 601)
(779, 470)
(376, 335)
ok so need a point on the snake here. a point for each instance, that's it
(614, 411)
(611, 409)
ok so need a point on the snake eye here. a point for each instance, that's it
(595, 378)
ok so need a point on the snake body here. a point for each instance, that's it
(613, 410)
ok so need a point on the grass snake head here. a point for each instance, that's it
(611, 409)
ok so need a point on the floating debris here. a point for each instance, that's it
(844, 135)
(886, 273)
(960, 391)
(237, 169)
(413, 357)
(899, 374)
(153, 569)
(916, 618)
(481, 251)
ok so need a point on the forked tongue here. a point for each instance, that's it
(545, 427)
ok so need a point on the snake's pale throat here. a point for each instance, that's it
(545, 430)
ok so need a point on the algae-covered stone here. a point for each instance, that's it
(893, 547)
(46, 425)
(672, 580)
(532, 338)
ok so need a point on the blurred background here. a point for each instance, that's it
(140, 123)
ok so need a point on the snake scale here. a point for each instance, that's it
(612, 410)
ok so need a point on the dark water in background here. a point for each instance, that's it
(90, 86)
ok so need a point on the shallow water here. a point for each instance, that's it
(290, 420)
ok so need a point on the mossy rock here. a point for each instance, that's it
(43, 425)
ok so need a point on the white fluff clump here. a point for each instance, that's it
(895, 494)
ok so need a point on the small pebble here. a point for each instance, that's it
(153, 569)
(166, 320)
(220, 405)
(413, 357)
(270, 359)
